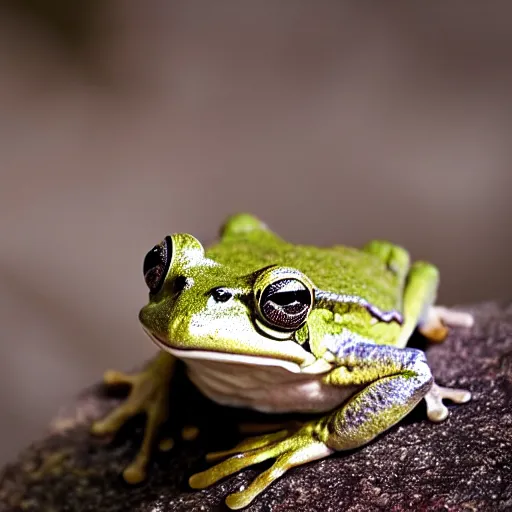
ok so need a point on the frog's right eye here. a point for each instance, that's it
(284, 298)
(285, 304)
(156, 265)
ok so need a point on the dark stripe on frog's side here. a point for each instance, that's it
(323, 297)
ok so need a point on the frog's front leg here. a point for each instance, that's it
(149, 394)
(392, 382)
(419, 310)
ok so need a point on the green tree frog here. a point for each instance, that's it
(265, 324)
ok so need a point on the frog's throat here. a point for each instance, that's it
(311, 364)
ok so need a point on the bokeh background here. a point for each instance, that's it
(335, 122)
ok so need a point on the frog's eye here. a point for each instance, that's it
(156, 265)
(285, 304)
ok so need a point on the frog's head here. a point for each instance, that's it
(201, 309)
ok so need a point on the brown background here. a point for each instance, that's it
(335, 122)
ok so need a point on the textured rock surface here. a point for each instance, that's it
(464, 463)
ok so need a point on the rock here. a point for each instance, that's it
(464, 463)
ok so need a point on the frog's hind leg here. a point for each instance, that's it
(418, 297)
(433, 322)
(395, 257)
(419, 310)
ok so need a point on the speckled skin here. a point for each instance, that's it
(344, 317)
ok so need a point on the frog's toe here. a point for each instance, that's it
(249, 444)
(113, 422)
(136, 471)
(115, 378)
(235, 464)
(149, 396)
(189, 433)
(288, 450)
(435, 332)
(313, 451)
(436, 410)
(453, 318)
(439, 319)
(116, 419)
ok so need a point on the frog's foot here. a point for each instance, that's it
(436, 325)
(148, 395)
(436, 410)
(289, 450)
(260, 428)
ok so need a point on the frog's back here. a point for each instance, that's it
(337, 269)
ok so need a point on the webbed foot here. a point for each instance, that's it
(436, 410)
(439, 319)
(149, 395)
(289, 448)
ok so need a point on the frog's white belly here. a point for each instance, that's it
(265, 388)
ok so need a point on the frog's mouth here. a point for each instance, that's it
(310, 364)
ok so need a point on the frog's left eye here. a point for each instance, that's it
(285, 304)
(156, 265)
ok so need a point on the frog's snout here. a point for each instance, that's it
(144, 316)
(155, 320)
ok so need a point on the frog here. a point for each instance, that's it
(265, 324)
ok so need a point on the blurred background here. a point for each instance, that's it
(335, 122)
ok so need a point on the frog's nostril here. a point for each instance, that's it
(221, 294)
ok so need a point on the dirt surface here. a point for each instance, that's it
(464, 463)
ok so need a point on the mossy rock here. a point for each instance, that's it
(462, 464)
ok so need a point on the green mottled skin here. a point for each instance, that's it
(338, 269)
(339, 344)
